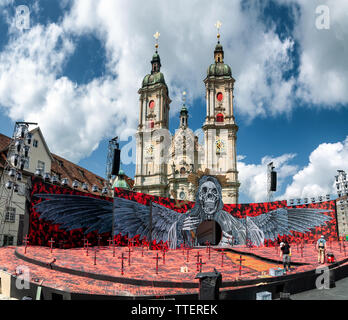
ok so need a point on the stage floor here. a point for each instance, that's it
(74, 271)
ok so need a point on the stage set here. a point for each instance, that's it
(138, 246)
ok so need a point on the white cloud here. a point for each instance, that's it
(323, 77)
(109, 105)
(253, 177)
(317, 178)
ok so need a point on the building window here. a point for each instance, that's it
(219, 117)
(8, 240)
(35, 143)
(41, 166)
(10, 214)
(26, 163)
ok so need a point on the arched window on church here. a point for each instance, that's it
(182, 170)
(219, 117)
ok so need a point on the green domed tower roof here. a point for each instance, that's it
(219, 68)
(156, 76)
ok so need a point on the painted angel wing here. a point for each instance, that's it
(75, 212)
(132, 218)
(282, 221)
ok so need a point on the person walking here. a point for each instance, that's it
(321, 248)
(285, 254)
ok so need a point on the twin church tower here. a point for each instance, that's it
(165, 162)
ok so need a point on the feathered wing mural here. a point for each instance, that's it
(133, 219)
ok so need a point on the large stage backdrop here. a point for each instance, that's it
(70, 217)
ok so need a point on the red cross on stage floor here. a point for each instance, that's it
(183, 249)
(129, 255)
(200, 264)
(198, 255)
(87, 245)
(164, 250)
(131, 242)
(157, 258)
(51, 242)
(222, 257)
(26, 242)
(207, 243)
(188, 249)
(240, 264)
(122, 258)
(110, 242)
(96, 249)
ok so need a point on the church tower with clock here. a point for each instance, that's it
(151, 167)
(165, 162)
(220, 129)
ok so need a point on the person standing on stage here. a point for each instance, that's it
(285, 253)
(321, 247)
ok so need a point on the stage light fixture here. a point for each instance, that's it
(75, 184)
(320, 198)
(12, 173)
(19, 176)
(38, 172)
(298, 201)
(105, 190)
(18, 146)
(29, 137)
(22, 163)
(313, 200)
(55, 180)
(95, 188)
(327, 197)
(9, 185)
(16, 188)
(22, 130)
(65, 182)
(15, 159)
(85, 186)
(306, 200)
(292, 202)
(26, 151)
(47, 177)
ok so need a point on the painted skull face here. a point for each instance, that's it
(209, 197)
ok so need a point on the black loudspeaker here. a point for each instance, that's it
(116, 162)
(273, 181)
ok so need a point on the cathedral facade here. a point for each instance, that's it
(165, 162)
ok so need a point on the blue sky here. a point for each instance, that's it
(89, 60)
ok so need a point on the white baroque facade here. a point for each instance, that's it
(164, 162)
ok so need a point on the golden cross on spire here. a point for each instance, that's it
(156, 36)
(218, 25)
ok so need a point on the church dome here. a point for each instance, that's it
(219, 69)
(154, 78)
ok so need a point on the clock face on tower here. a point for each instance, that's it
(220, 145)
(149, 150)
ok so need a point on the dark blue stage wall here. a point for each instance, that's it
(41, 231)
